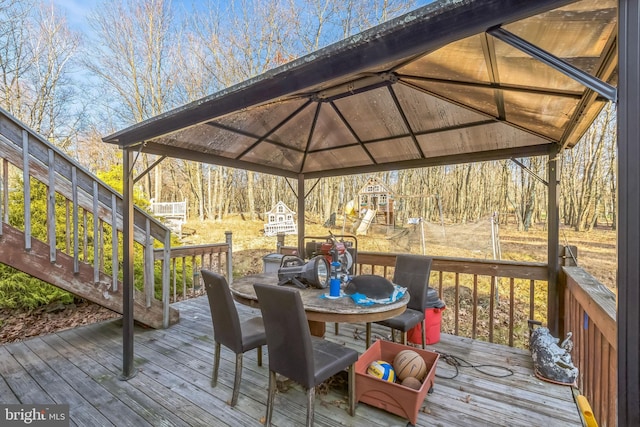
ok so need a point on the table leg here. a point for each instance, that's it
(317, 328)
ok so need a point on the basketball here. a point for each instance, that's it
(383, 370)
(409, 363)
(412, 382)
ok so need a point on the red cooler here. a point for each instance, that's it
(432, 320)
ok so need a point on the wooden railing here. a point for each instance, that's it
(187, 261)
(590, 314)
(83, 216)
(485, 299)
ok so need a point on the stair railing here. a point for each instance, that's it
(92, 210)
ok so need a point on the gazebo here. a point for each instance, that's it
(451, 82)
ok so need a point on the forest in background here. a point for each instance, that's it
(138, 58)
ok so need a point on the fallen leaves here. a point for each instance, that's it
(17, 325)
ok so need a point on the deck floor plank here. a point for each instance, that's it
(56, 387)
(108, 404)
(172, 386)
(162, 374)
(146, 391)
(133, 393)
(24, 388)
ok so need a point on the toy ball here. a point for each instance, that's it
(412, 382)
(382, 370)
(409, 363)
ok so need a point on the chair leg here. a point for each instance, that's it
(352, 389)
(424, 335)
(216, 364)
(393, 335)
(311, 397)
(260, 355)
(236, 380)
(336, 329)
(368, 335)
(270, 397)
(404, 337)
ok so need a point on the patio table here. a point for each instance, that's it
(320, 310)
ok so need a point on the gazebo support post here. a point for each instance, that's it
(128, 370)
(553, 305)
(301, 203)
(628, 213)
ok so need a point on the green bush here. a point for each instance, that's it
(21, 291)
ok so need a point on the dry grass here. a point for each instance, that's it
(596, 249)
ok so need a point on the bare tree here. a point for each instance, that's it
(132, 61)
(583, 174)
(36, 53)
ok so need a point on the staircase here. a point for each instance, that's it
(72, 257)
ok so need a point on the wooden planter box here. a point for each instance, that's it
(392, 397)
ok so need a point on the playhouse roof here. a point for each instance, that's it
(375, 181)
(274, 209)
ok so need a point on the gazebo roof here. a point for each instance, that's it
(451, 82)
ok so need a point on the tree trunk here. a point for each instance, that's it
(250, 197)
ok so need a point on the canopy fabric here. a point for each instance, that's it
(451, 82)
(454, 81)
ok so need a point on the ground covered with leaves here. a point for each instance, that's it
(17, 325)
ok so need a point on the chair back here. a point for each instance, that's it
(288, 337)
(224, 315)
(412, 272)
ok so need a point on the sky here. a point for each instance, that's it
(78, 10)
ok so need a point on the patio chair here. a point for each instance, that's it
(228, 330)
(294, 353)
(411, 272)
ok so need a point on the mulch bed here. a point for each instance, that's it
(18, 325)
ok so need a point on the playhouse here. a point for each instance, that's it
(376, 201)
(280, 220)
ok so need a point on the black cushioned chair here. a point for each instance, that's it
(294, 353)
(411, 272)
(228, 330)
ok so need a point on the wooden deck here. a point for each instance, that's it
(172, 387)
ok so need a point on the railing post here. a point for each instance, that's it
(567, 257)
(149, 271)
(228, 237)
(166, 277)
(114, 246)
(26, 190)
(75, 202)
(279, 242)
(51, 208)
(5, 192)
(96, 237)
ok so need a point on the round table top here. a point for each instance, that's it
(317, 308)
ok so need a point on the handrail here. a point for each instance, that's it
(486, 292)
(193, 258)
(83, 203)
(13, 132)
(590, 315)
